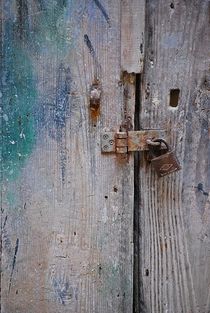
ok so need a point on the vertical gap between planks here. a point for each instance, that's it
(1, 143)
(136, 265)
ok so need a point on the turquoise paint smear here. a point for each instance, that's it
(52, 31)
(18, 105)
(18, 90)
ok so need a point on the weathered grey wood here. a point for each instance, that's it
(174, 234)
(67, 210)
(132, 35)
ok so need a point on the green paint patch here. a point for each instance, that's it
(11, 198)
(18, 97)
(50, 33)
(52, 29)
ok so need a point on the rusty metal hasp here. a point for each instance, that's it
(124, 142)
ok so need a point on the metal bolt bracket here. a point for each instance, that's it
(108, 142)
(124, 142)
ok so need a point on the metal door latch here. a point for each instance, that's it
(124, 142)
(164, 162)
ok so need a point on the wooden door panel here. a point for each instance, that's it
(174, 257)
(67, 210)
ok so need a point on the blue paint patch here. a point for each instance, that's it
(63, 90)
(172, 40)
(200, 189)
(64, 291)
(103, 11)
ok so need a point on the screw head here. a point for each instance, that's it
(105, 147)
(105, 136)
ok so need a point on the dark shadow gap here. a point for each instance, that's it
(136, 269)
(174, 97)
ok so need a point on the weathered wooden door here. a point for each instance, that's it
(172, 214)
(67, 210)
(86, 232)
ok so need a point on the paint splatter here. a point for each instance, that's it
(200, 188)
(89, 45)
(64, 291)
(97, 66)
(103, 11)
(14, 262)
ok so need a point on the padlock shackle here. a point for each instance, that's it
(160, 140)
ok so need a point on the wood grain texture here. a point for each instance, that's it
(174, 233)
(67, 210)
(132, 35)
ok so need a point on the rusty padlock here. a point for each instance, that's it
(166, 163)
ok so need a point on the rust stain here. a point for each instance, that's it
(163, 246)
(128, 78)
(95, 99)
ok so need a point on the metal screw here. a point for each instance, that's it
(105, 137)
(105, 147)
(111, 142)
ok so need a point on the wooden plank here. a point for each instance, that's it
(67, 210)
(174, 233)
(132, 35)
